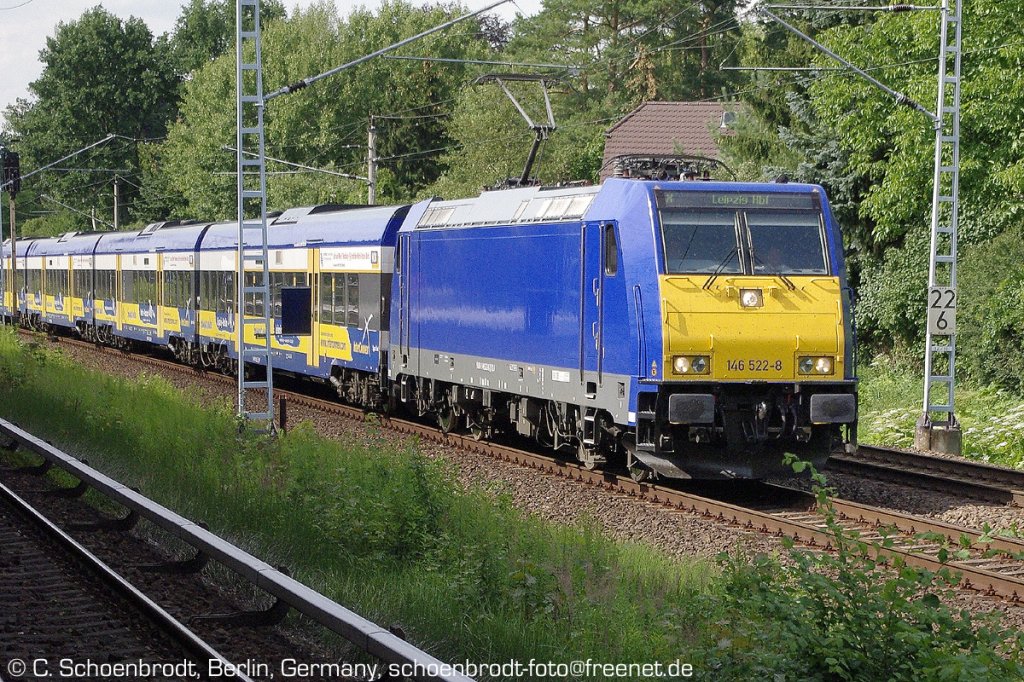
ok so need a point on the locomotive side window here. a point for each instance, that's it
(611, 251)
(786, 243)
(700, 242)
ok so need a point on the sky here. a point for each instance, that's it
(26, 24)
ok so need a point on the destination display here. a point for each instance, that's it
(669, 199)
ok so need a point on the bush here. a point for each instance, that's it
(891, 299)
(850, 615)
(990, 315)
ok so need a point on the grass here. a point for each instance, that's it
(891, 400)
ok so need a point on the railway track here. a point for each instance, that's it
(959, 477)
(67, 613)
(995, 567)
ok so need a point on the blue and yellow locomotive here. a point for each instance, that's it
(690, 329)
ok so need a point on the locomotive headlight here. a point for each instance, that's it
(690, 364)
(815, 364)
(751, 298)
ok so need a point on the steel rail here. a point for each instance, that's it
(191, 642)
(366, 635)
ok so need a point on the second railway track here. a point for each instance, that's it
(67, 614)
(955, 476)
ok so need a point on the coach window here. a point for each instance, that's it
(145, 288)
(208, 290)
(128, 286)
(253, 300)
(611, 251)
(326, 298)
(353, 300)
(226, 298)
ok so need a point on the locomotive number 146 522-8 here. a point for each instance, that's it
(753, 365)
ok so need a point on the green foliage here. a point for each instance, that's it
(890, 403)
(892, 297)
(853, 614)
(101, 75)
(990, 317)
(205, 30)
(326, 124)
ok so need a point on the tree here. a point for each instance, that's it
(326, 124)
(101, 75)
(205, 30)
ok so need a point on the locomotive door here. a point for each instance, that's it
(404, 276)
(592, 304)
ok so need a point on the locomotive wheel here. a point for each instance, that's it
(446, 418)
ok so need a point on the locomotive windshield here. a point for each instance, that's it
(701, 242)
(739, 232)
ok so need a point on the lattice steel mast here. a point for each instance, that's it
(940, 356)
(253, 334)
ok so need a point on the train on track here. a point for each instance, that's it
(690, 329)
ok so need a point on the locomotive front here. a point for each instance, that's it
(756, 337)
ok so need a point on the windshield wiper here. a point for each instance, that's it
(785, 280)
(718, 270)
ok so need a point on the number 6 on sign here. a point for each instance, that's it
(941, 311)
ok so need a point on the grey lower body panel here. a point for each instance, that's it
(609, 392)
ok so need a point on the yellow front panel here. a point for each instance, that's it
(752, 344)
(77, 307)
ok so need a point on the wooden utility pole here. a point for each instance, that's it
(371, 169)
(117, 213)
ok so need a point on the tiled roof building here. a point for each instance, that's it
(666, 128)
